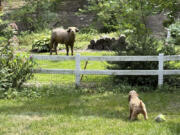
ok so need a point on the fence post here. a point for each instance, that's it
(77, 71)
(161, 67)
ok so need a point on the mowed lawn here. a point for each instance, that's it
(67, 111)
(69, 78)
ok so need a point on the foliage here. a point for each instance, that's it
(140, 43)
(113, 15)
(5, 31)
(88, 30)
(138, 47)
(175, 33)
(171, 7)
(15, 69)
(34, 15)
(105, 12)
(41, 45)
(132, 22)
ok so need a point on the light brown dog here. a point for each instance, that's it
(136, 106)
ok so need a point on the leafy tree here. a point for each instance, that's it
(112, 15)
(106, 13)
(6, 32)
(170, 7)
(34, 15)
(130, 18)
(140, 43)
(175, 33)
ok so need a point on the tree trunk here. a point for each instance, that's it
(0, 5)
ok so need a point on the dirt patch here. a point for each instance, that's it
(15, 4)
(67, 14)
(155, 23)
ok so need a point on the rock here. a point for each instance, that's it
(81, 18)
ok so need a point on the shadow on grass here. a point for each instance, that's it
(174, 127)
(108, 106)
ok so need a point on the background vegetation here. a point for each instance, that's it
(36, 18)
(50, 104)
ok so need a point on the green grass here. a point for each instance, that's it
(72, 112)
(92, 65)
(96, 65)
(82, 39)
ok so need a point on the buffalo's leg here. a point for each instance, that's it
(55, 47)
(67, 50)
(51, 46)
(72, 50)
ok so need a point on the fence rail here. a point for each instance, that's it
(78, 72)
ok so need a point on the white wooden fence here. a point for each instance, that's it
(78, 71)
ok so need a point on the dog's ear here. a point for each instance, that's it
(129, 98)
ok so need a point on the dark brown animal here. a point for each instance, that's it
(63, 36)
(136, 106)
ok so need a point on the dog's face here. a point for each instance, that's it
(132, 93)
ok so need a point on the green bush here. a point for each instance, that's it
(141, 47)
(175, 33)
(14, 69)
(106, 14)
(113, 15)
(5, 31)
(41, 45)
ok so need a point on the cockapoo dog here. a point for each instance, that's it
(136, 106)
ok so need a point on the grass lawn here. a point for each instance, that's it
(96, 65)
(82, 39)
(92, 65)
(67, 111)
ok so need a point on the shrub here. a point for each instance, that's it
(113, 15)
(5, 31)
(14, 69)
(146, 45)
(175, 33)
(41, 45)
(106, 14)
